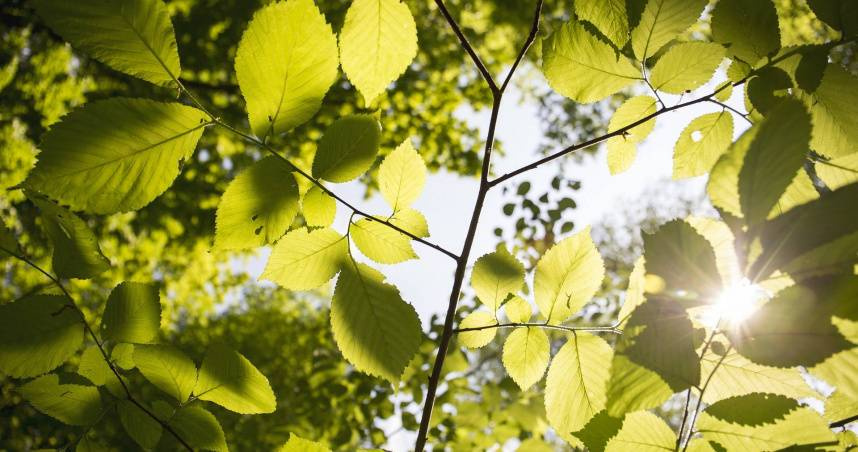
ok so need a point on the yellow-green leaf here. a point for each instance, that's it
(661, 22)
(104, 170)
(377, 43)
(525, 355)
(318, 207)
(701, 143)
(623, 148)
(518, 310)
(477, 338)
(228, 379)
(643, 432)
(167, 368)
(72, 404)
(132, 314)
(285, 63)
(749, 28)
(583, 68)
(686, 66)
(401, 176)
(495, 276)
(609, 16)
(76, 250)
(347, 149)
(304, 260)
(381, 243)
(567, 277)
(258, 206)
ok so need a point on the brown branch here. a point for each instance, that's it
(98, 344)
(462, 262)
(844, 422)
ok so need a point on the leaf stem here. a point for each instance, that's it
(98, 344)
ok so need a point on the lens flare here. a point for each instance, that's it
(735, 304)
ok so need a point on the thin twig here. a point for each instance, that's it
(462, 262)
(487, 76)
(534, 30)
(98, 344)
(548, 326)
(727, 107)
(844, 422)
(684, 419)
(703, 388)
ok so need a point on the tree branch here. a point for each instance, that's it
(571, 329)
(534, 30)
(487, 76)
(844, 422)
(462, 262)
(98, 344)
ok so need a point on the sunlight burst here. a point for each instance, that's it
(736, 303)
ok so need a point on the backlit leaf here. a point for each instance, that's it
(748, 28)
(381, 243)
(608, 16)
(477, 338)
(347, 149)
(583, 68)
(567, 277)
(199, 428)
(622, 149)
(683, 258)
(37, 334)
(119, 168)
(228, 379)
(686, 66)
(495, 276)
(285, 63)
(661, 22)
(318, 207)
(298, 444)
(518, 310)
(144, 430)
(643, 432)
(132, 314)
(375, 329)
(132, 36)
(377, 43)
(598, 431)
(304, 260)
(257, 207)
(72, 404)
(167, 368)
(401, 176)
(76, 250)
(525, 355)
(834, 105)
(801, 426)
(701, 143)
(838, 172)
(411, 220)
(576, 382)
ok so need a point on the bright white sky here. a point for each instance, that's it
(448, 198)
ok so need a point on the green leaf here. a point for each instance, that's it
(285, 63)
(132, 36)
(119, 168)
(401, 176)
(412, 221)
(701, 143)
(598, 431)
(723, 186)
(773, 158)
(801, 426)
(838, 172)
(87, 444)
(841, 15)
(478, 338)
(199, 428)
(787, 238)
(567, 277)
(257, 207)
(318, 207)
(228, 379)
(132, 314)
(94, 368)
(76, 251)
(686, 66)
(643, 432)
(375, 329)
(655, 357)
(377, 43)
(794, 328)
(736, 376)
(752, 409)
(840, 406)
(298, 444)
(305, 260)
(576, 382)
(347, 149)
(768, 88)
(634, 292)
(525, 356)
(381, 243)
(748, 28)
(661, 22)
(37, 334)
(580, 66)
(518, 310)
(8, 242)
(608, 16)
(683, 259)
(834, 106)
(123, 355)
(622, 149)
(144, 430)
(167, 368)
(72, 404)
(495, 276)
(839, 371)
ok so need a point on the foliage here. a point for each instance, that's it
(784, 244)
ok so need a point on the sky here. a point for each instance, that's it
(448, 199)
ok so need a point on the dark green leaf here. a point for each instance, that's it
(752, 409)
(683, 258)
(748, 28)
(347, 149)
(132, 314)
